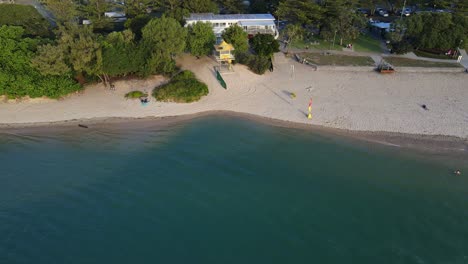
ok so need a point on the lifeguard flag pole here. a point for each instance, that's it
(309, 116)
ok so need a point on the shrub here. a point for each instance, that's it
(183, 88)
(259, 64)
(18, 78)
(256, 63)
(264, 44)
(402, 47)
(243, 58)
(135, 94)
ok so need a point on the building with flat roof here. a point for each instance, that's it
(251, 23)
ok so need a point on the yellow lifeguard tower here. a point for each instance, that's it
(223, 54)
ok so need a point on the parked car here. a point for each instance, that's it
(381, 12)
(364, 11)
(405, 12)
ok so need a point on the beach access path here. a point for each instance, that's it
(360, 101)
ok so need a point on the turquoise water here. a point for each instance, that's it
(224, 190)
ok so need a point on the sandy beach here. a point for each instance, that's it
(357, 101)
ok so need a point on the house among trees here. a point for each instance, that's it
(251, 23)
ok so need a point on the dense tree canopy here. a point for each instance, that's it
(82, 49)
(436, 30)
(300, 11)
(179, 9)
(134, 8)
(200, 39)
(136, 24)
(233, 6)
(121, 54)
(94, 11)
(17, 76)
(65, 11)
(264, 44)
(162, 39)
(200, 6)
(50, 60)
(341, 19)
(236, 36)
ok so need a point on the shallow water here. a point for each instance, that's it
(224, 190)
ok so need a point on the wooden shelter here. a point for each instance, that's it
(223, 54)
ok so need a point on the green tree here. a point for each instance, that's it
(233, 6)
(82, 50)
(258, 7)
(370, 4)
(136, 24)
(121, 55)
(63, 10)
(259, 64)
(17, 76)
(162, 39)
(179, 9)
(200, 6)
(175, 9)
(95, 10)
(236, 36)
(436, 30)
(134, 8)
(264, 45)
(341, 19)
(304, 12)
(200, 39)
(50, 60)
(293, 32)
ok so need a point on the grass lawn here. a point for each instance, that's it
(421, 53)
(366, 43)
(338, 60)
(363, 43)
(318, 44)
(25, 16)
(404, 62)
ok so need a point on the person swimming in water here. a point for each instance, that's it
(457, 172)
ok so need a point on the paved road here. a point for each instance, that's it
(377, 57)
(41, 9)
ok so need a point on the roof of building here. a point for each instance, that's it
(211, 16)
(256, 23)
(224, 46)
(381, 25)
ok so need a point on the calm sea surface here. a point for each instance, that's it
(224, 190)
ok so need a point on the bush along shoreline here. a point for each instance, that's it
(182, 88)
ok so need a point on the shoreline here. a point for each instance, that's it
(382, 108)
(433, 144)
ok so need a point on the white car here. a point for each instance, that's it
(382, 12)
(406, 12)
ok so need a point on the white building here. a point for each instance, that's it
(116, 16)
(251, 23)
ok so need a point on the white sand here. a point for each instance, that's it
(362, 101)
